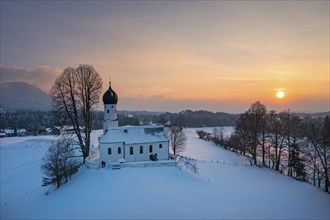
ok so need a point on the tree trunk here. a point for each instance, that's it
(263, 148)
(327, 181)
(319, 180)
(255, 156)
(326, 186)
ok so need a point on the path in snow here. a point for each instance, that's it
(202, 150)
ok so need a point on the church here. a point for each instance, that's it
(129, 143)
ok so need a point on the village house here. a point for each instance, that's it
(2, 134)
(9, 132)
(21, 132)
(13, 132)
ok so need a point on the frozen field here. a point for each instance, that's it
(220, 190)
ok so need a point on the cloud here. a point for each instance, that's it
(42, 77)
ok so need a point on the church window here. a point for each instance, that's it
(109, 150)
(160, 146)
(131, 150)
(108, 111)
(119, 150)
(150, 148)
(141, 149)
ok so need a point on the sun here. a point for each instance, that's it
(280, 94)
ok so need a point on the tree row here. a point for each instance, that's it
(283, 141)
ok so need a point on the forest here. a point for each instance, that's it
(37, 121)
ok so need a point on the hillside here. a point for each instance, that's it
(223, 188)
(16, 96)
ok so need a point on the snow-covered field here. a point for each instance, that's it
(224, 188)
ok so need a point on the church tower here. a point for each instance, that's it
(110, 100)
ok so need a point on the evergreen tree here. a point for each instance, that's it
(296, 163)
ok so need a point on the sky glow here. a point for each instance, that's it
(171, 56)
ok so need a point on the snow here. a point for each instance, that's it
(224, 188)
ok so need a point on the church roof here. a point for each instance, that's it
(134, 135)
(110, 96)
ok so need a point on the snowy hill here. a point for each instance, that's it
(224, 188)
(22, 96)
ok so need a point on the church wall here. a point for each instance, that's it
(162, 153)
(114, 156)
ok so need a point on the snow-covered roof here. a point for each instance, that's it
(9, 131)
(70, 127)
(135, 134)
(23, 130)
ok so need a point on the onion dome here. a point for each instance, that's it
(110, 97)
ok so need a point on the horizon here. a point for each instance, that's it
(100, 108)
(173, 56)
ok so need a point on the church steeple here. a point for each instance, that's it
(110, 100)
(110, 96)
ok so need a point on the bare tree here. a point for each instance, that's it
(276, 130)
(177, 139)
(317, 131)
(75, 95)
(250, 128)
(236, 143)
(59, 163)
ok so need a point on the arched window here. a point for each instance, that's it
(109, 150)
(150, 148)
(108, 111)
(160, 146)
(141, 149)
(131, 151)
(119, 150)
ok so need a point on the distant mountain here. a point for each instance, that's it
(18, 96)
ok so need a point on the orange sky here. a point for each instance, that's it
(171, 56)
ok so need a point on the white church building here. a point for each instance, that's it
(129, 143)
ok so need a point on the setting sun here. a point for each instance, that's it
(280, 94)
